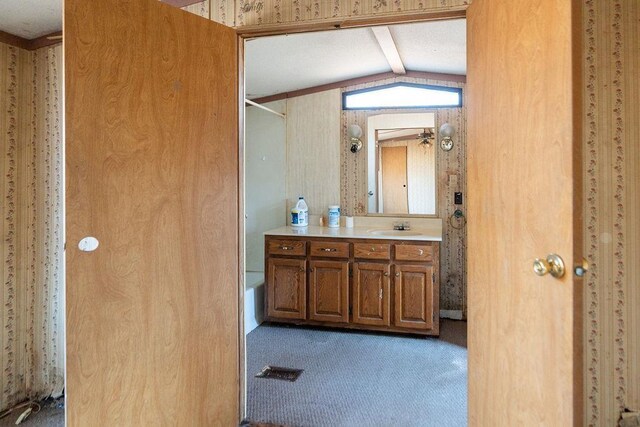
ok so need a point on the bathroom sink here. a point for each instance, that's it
(396, 233)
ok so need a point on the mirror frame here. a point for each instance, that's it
(397, 121)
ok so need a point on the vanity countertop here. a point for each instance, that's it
(432, 234)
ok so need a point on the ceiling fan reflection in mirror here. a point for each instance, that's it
(427, 137)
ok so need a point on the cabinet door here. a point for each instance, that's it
(329, 291)
(371, 291)
(287, 289)
(414, 296)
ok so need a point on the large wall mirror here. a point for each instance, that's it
(401, 164)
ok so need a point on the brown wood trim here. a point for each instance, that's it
(361, 80)
(242, 350)
(12, 40)
(456, 78)
(45, 41)
(391, 18)
(405, 18)
(32, 44)
(181, 3)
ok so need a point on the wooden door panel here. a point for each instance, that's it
(524, 202)
(413, 296)
(287, 288)
(395, 196)
(371, 294)
(329, 291)
(151, 140)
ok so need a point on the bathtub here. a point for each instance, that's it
(253, 300)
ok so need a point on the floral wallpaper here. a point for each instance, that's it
(32, 319)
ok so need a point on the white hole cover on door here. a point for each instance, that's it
(88, 244)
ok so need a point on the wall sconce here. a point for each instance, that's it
(446, 136)
(355, 132)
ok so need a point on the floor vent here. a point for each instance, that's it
(278, 373)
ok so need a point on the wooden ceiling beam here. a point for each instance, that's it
(12, 40)
(389, 48)
(456, 78)
(31, 44)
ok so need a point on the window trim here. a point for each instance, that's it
(457, 90)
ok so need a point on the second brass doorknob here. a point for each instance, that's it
(552, 264)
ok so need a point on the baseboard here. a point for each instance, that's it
(451, 314)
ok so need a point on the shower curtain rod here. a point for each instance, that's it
(255, 104)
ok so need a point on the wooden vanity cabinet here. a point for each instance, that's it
(329, 291)
(371, 293)
(385, 285)
(414, 296)
(287, 291)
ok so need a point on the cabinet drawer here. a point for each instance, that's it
(287, 247)
(372, 250)
(329, 249)
(414, 253)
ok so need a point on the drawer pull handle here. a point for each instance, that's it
(373, 249)
(328, 249)
(386, 273)
(380, 293)
(420, 252)
(302, 269)
(286, 248)
(311, 270)
(397, 274)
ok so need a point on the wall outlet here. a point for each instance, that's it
(457, 198)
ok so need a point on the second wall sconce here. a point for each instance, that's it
(446, 136)
(355, 132)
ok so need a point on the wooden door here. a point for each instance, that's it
(524, 202)
(151, 113)
(286, 288)
(414, 296)
(371, 293)
(395, 197)
(329, 291)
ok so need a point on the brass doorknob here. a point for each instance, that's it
(553, 265)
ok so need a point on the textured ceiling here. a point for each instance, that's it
(286, 63)
(30, 19)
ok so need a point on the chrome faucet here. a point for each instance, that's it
(401, 226)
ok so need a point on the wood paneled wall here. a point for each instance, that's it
(612, 208)
(31, 324)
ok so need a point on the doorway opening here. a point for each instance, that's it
(372, 311)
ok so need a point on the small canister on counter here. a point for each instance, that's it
(333, 216)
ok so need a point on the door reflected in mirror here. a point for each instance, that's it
(402, 164)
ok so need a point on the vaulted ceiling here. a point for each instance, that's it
(298, 61)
